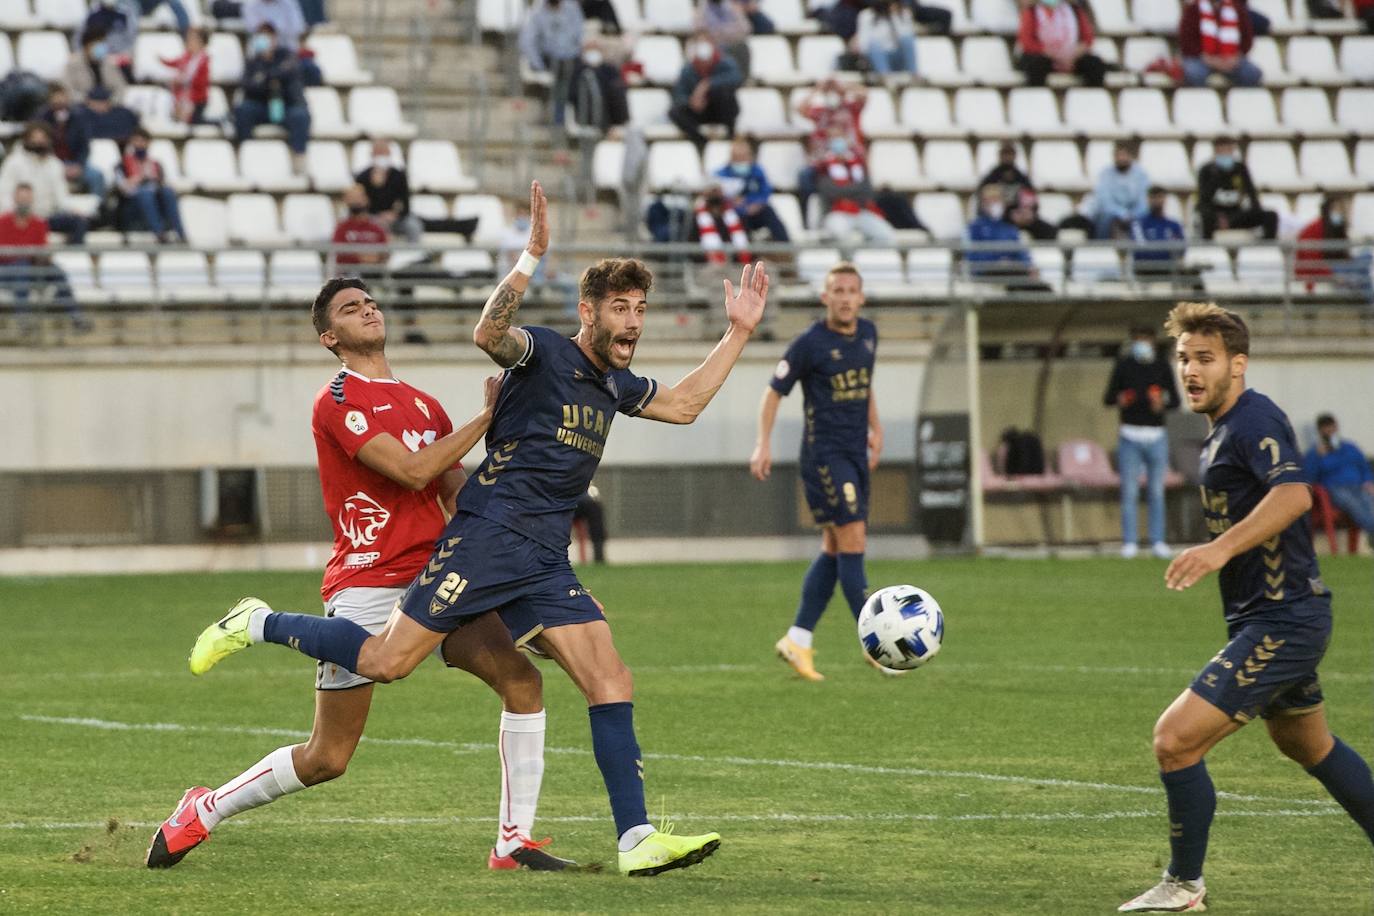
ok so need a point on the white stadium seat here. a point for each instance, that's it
(938, 63)
(211, 165)
(674, 164)
(1251, 112)
(770, 61)
(814, 263)
(361, 155)
(1166, 162)
(126, 275)
(879, 117)
(1139, 52)
(1308, 112)
(669, 15)
(1357, 58)
(762, 109)
(789, 16)
(995, 16)
(490, 213)
(1326, 164)
(1056, 164)
(661, 57)
(1144, 112)
(1159, 17)
(880, 267)
(1265, 55)
(985, 156)
(153, 105)
(628, 13)
(1034, 112)
(1053, 207)
(375, 110)
(206, 221)
(467, 262)
(500, 15)
(429, 206)
(1273, 166)
(981, 113)
(1311, 58)
(1049, 262)
(295, 274)
(337, 59)
(925, 112)
(60, 14)
(1355, 110)
(894, 164)
(149, 48)
(435, 166)
(104, 156)
(226, 58)
(1106, 48)
(1364, 161)
(789, 212)
(782, 161)
(253, 220)
(1096, 157)
(817, 54)
(949, 164)
(649, 107)
(43, 53)
(327, 121)
(942, 213)
(929, 270)
(6, 54)
(1280, 22)
(184, 276)
(327, 165)
(242, 274)
(1112, 18)
(266, 165)
(1197, 112)
(608, 162)
(1260, 268)
(1362, 217)
(987, 60)
(164, 152)
(308, 218)
(1214, 266)
(1094, 265)
(1089, 112)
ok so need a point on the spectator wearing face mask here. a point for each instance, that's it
(360, 228)
(1319, 259)
(1120, 194)
(388, 193)
(24, 274)
(114, 22)
(747, 189)
(31, 162)
(599, 90)
(551, 42)
(1226, 195)
(1339, 466)
(71, 136)
(92, 65)
(1156, 228)
(728, 28)
(141, 182)
(886, 36)
(1009, 260)
(284, 16)
(829, 103)
(1056, 36)
(705, 91)
(1142, 388)
(273, 93)
(847, 194)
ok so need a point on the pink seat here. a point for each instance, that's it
(1085, 464)
(993, 482)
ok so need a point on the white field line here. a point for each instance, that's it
(814, 765)
(777, 817)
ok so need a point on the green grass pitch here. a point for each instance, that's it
(1011, 775)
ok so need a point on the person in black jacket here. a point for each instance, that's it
(1226, 195)
(388, 192)
(273, 93)
(1142, 388)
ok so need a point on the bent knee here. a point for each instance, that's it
(317, 766)
(1172, 751)
(522, 691)
(614, 686)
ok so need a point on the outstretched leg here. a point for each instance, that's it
(1308, 741)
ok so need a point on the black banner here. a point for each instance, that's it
(942, 476)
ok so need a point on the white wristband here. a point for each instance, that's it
(527, 264)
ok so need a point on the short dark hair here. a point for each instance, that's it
(38, 126)
(1210, 318)
(1325, 419)
(1127, 145)
(140, 131)
(319, 311)
(1156, 189)
(266, 27)
(614, 275)
(1224, 140)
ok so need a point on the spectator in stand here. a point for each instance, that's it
(842, 18)
(1007, 175)
(71, 139)
(190, 83)
(359, 228)
(886, 35)
(747, 189)
(1006, 262)
(1338, 466)
(828, 103)
(758, 19)
(284, 16)
(107, 120)
(387, 189)
(1057, 36)
(1322, 260)
(1213, 37)
(602, 11)
(1024, 214)
(714, 222)
(1142, 388)
(92, 66)
(23, 274)
(314, 13)
(113, 22)
(551, 42)
(935, 18)
(847, 195)
(140, 181)
(705, 91)
(1226, 195)
(31, 162)
(728, 28)
(599, 75)
(1120, 193)
(1155, 228)
(273, 93)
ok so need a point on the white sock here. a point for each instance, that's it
(256, 620)
(521, 746)
(265, 781)
(632, 837)
(799, 636)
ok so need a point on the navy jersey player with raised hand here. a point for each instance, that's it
(506, 549)
(1278, 612)
(842, 439)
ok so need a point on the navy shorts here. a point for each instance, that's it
(1269, 668)
(480, 566)
(836, 488)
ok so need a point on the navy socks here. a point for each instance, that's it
(817, 588)
(329, 639)
(1346, 776)
(1192, 802)
(853, 581)
(622, 767)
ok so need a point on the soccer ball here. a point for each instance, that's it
(901, 627)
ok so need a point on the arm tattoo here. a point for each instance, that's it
(496, 320)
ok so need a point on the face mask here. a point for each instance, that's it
(38, 149)
(994, 210)
(592, 58)
(704, 50)
(1335, 440)
(832, 100)
(140, 154)
(23, 209)
(1143, 351)
(99, 50)
(1050, 3)
(839, 146)
(1123, 169)
(382, 162)
(1225, 162)
(1336, 219)
(357, 209)
(522, 223)
(261, 44)
(740, 168)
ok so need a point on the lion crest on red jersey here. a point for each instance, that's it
(361, 518)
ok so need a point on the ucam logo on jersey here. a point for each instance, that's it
(356, 422)
(416, 440)
(361, 518)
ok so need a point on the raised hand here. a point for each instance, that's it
(539, 221)
(745, 307)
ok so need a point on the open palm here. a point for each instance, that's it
(744, 307)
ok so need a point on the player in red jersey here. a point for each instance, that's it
(389, 470)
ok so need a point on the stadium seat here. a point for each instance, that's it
(1084, 463)
(1093, 265)
(43, 53)
(216, 112)
(770, 61)
(206, 222)
(60, 14)
(1097, 155)
(1251, 112)
(949, 164)
(375, 110)
(434, 166)
(468, 262)
(1355, 111)
(789, 212)
(1166, 162)
(1260, 267)
(894, 164)
(490, 213)
(1158, 17)
(327, 120)
(782, 161)
(1213, 264)
(880, 267)
(813, 263)
(18, 16)
(1311, 59)
(789, 17)
(184, 276)
(1054, 207)
(674, 164)
(253, 220)
(295, 274)
(1112, 18)
(925, 112)
(308, 218)
(148, 48)
(1138, 53)
(981, 113)
(929, 270)
(6, 54)
(226, 58)
(1306, 208)
(985, 156)
(763, 110)
(661, 57)
(104, 155)
(1056, 165)
(1106, 48)
(242, 274)
(1357, 58)
(1273, 166)
(360, 157)
(1308, 112)
(999, 16)
(327, 165)
(1049, 263)
(1362, 217)
(1089, 112)
(500, 15)
(153, 105)
(266, 165)
(337, 60)
(608, 164)
(80, 271)
(429, 206)
(1197, 112)
(1144, 112)
(212, 166)
(714, 157)
(942, 213)
(1326, 165)
(669, 15)
(879, 116)
(1364, 161)
(1265, 55)
(986, 58)
(126, 275)
(938, 63)
(1033, 111)
(164, 152)
(817, 55)
(1280, 22)
(629, 14)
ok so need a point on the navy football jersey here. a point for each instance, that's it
(547, 437)
(1251, 450)
(836, 372)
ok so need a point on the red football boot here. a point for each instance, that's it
(180, 833)
(531, 855)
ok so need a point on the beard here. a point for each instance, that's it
(602, 344)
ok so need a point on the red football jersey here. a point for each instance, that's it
(383, 532)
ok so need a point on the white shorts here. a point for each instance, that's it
(369, 608)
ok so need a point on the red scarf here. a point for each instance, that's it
(1057, 28)
(140, 170)
(710, 235)
(1219, 23)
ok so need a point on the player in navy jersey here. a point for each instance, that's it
(1278, 612)
(833, 360)
(506, 548)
